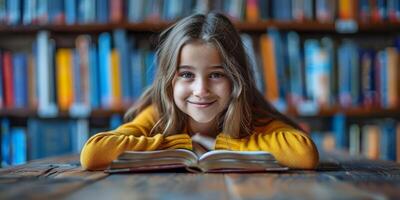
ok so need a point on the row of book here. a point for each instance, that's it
(379, 139)
(42, 138)
(309, 73)
(324, 11)
(109, 74)
(112, 70)
(39, 12)
(14, 12)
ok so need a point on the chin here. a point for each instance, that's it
(203, 119)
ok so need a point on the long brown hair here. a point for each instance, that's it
(247, 108)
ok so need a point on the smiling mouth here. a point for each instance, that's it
(202, 104)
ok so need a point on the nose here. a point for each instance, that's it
(200, 88)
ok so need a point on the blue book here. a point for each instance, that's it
(382, 58)
(105, 70)
(44, 143)
(347, 74)
(94, 77)
(70, 11)
(314, 70)
(20, 66)
(151, 67)
(367, 67)
(14, 12)
(121, 44)
(28, 11)
(18, 146)
(87, 12)
(136, 10)
(5, 142)
(388, 140)
(137, 71)
(339, 129)
(42, 15)
(328, 46)
(102, 11)
(3, 11)
(280, 58)
(295, 67)
(56, 11)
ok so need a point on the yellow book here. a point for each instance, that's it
(115, 79)
(269, 67)
(64, 78)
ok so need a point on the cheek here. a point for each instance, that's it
(225, 90)
(181, 91)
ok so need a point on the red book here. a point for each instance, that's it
(116, 11)
(8, 80)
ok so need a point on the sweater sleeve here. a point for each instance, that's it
(101, 149)
(291, 147)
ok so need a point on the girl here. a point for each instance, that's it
(204, 86)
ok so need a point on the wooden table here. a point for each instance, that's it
(338, 177)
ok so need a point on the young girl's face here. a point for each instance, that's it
(201, 87)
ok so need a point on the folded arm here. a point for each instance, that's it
(291, 147)
(101, 149)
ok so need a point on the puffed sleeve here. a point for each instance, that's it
(291, 147)
(101, 149)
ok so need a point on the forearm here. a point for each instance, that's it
(291, 148)
(102, 148)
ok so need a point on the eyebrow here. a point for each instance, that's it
(191, 67)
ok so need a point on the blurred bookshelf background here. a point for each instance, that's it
(71, 68)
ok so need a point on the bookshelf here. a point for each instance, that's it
(308, 26)
(326, 29)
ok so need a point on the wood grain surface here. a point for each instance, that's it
(339, 176)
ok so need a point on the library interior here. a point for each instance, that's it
(71, 68)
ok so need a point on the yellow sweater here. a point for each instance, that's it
(291, 147)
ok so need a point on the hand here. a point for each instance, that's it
(205, 141)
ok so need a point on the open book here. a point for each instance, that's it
(212, 161)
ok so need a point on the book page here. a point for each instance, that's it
(237, 155)
(158, 154)
(239, 161)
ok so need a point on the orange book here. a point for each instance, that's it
(115, 79)
(64, 78)
(346, 9)
(269, 67)
(252, 14)
(32, 91)
(393, 78)
(371, 141)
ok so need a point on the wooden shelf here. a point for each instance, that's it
(309, 26)
(18, 112)
(350, 112)
(323, 112)
(26, 112)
